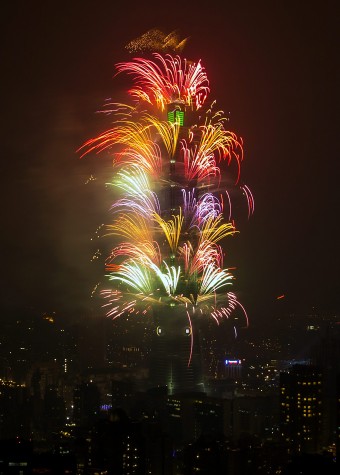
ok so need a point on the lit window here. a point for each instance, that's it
(176, 116)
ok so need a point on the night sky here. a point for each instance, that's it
(274, 65)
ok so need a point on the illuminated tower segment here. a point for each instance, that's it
(173, 342)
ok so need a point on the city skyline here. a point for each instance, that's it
(273, 68)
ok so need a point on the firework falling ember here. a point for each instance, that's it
(156, 40)
(172, 156)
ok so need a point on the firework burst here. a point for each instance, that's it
(170, 152)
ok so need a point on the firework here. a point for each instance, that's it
(172, 155)
(156, 40)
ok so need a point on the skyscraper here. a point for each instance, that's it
(301, 408)
(174, 206)
(175, 360)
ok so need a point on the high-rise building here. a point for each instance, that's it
(175, 361)
(190, 415)
(86, 401)
(338, 421)
(301, 408)
(54, 412)
(171, 213)
(325, 354)
(117, 446)
(14, 410)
